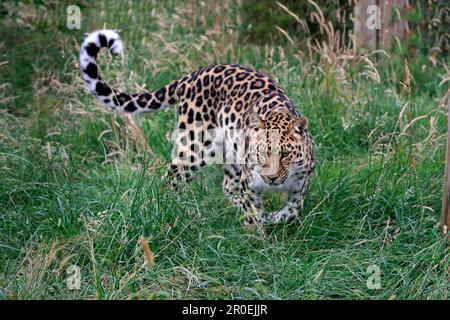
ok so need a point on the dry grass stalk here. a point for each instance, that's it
(149, 258)
(300, 21)
(138, 135)
(285, 34)
(407, 83)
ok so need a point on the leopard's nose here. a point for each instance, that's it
(270, 179)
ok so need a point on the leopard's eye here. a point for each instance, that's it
(285, 154)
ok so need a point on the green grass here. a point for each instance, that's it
(76, 188)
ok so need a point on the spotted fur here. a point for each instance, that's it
(264, 141)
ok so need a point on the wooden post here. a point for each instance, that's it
(390, 22)
(364, 36)
(445, 221)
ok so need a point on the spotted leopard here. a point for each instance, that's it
(231, 110)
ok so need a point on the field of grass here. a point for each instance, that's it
(77, 188)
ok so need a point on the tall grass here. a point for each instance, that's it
(77, 188)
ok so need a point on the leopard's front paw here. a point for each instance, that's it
(285, 215)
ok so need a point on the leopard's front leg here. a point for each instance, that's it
(294, 204)
(236, 186)
(290, 210)
(251, 205)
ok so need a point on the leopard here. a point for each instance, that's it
(228, 114)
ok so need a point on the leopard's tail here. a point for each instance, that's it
(112, 98)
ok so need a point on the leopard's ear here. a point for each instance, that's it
(256, 121)
(301, 123)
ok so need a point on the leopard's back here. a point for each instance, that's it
(219, 95)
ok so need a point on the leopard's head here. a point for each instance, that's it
(282, 145)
